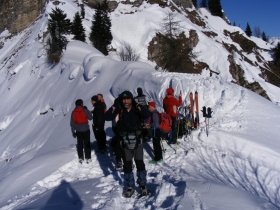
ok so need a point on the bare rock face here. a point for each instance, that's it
(184, 3)
(16, 15)
(238, 74)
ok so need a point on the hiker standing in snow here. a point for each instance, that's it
(80, 129)
(170, 106)
(156, 133)
(143, 100)
(128, 118)
(98, 123)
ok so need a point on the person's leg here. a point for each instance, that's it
(87, 146)
(97, 138)
(174, 129)
(157, 145)
(103, 139)
(80, 145)
(129, 182)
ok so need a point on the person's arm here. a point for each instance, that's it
(111, 113)
(143, 111)
(178, 102)
(88, 114)
(155, 120)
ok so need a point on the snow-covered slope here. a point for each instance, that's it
(235, 167)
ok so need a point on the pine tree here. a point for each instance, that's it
(264, 38)
(77, 28)
(215, 7)
(82, 11)
(248, 30)
(204, 4)
(58, 26)
(194, 3)
(101, 35)
(172, 50)
(276, 52)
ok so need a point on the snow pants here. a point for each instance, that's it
(83, 144)
(137, 155)
(100, 136)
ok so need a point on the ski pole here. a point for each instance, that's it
(177, 137)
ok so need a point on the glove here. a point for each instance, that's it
(74, 135)
(117, 102)
(85, 107)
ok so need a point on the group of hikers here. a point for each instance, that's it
(134, 121)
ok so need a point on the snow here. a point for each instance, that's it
(235, 167)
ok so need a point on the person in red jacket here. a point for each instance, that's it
(170, 106)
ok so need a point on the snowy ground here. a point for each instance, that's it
(235, 167)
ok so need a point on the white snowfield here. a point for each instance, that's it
(235, 167)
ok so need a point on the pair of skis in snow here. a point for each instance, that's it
(194, 113)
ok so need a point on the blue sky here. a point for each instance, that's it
(261, 13)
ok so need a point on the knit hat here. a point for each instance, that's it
(126, 95)
(79, 102)
(170, 91)
(94, 98)
(152, 103)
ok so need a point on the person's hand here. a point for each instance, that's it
(85, 107)
(74, 135)
(148, 126)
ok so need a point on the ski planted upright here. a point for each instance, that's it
(192, 109)
(196, 111)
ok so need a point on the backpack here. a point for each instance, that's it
(165, 122)
(79, 116)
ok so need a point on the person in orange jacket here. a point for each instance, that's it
(170, 106)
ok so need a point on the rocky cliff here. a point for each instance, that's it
(16, 15)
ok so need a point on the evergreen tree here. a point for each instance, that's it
(204, 3)
(58, 26)
(215, 7)
(101, 35)
(77, 28)
(264, 38)
(248, 30)
(194, 3)
(82, 11)
(276, 52)
(172, 50)
(234, 24)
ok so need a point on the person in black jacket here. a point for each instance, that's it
(128, 117)
(98, 123)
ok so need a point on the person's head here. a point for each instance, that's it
(139, 91)
(151, 106)
(169, 91)
(94, 99)
(100, 96)
(79, 102)
(126, 98)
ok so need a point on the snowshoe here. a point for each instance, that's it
(144, 192)
(128, 192)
